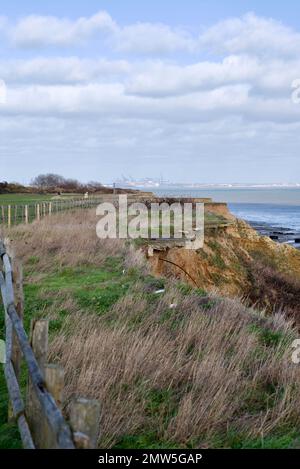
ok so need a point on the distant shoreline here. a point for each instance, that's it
(195, 186)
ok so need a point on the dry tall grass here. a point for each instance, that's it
(64, 239)
(213, 371)
(275, 290)
(207, 368)
(185, 374)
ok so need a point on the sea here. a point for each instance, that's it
(277, 207)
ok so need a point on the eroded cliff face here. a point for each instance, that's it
(236, 261)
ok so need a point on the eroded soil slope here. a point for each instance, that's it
(236, 261)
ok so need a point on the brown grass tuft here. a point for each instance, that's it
(206, 366)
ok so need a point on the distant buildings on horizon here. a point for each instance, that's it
(129, 182)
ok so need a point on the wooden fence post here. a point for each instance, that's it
(26, 214)
(37, 211)
(39, 340)
(54, 378)
(39, 344)
(10, 339)
(19, 304)
(17, 278)
(9, 216)
(84, 421)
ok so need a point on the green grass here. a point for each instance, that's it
(26, 198)
(23, 199)
(99, 300)
(213, 219)
(237, 440)
(268, 337)
(77, 279)
(161, 401)
(218, 261)
(232, 440)
(95, 290)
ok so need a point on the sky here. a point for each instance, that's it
(194, 91)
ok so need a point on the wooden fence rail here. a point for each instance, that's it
(39, 416)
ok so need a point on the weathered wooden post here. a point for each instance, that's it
(9, 216)
(54, 378)
(39, 344)
(50, 208)
(26, 214)
(38, 216)
(19, 305)
(7, 298)
(84, 421)
(39, 340)
(18, 299)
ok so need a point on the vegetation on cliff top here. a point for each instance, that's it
(183, 368)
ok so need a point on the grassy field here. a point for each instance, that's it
(204, 372)
(23, 199)
(18, 201)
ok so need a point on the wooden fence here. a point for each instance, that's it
(39, 413)
(15, 214)
(21, 213)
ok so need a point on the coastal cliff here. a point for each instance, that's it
(237, 261)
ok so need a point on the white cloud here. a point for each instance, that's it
(150, 38)
(239, 83)
(248, 34)
(110, 100)
(43, 70)
(38, 31)
(266, 77)
(147, 38)
(160, 79)
(128, 111)
(252, 34)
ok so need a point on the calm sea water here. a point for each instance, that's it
(277, 207)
